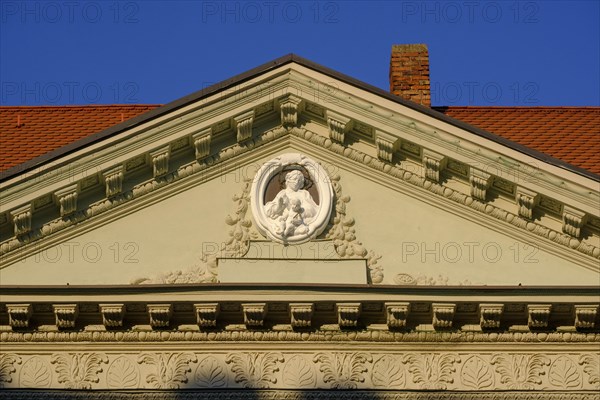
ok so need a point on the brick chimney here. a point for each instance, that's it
(409, 73)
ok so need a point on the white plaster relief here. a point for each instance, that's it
(113, 180)
(480, 182)
(526, 201)
(243, 126)
(490, 315)
(160, 161)
(18, 315)
(78, 370)
(254, 314)
(585, 316)
(584, 247)
(201, 141)
(112, 314)
(206, 314)
(67, 199)
(293, 216)
(466, 370)
(65, 315)
(160, 315)
(290, 109)
(433, 164)
(348, 314)
(338, 126)
(386, 145)
(397, 314)
(443, 315)
(538, 315)
(21, 218)
(255, 370)
(168, 370)
(573, 221)
(301, 315)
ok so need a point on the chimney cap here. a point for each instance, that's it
(403, 48)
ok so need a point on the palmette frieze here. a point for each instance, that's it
(117, 198)
(307, 369)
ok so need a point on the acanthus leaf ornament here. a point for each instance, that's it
(293, 216)
(591, 366)
(520, 371)
(170, 369)
(7, 367)
(255, 370)
(78, 370)
(343, 370)
(432, 371)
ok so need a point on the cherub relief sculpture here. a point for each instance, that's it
(293, 208)
(293, 215)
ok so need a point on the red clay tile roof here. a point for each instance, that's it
(28, 132)
(571, 134)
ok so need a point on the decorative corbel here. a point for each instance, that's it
(526, 201)
(290, 109)
(254, 314)
(386, 145)
(585, 316)
(301, 315)
(338, 126)
(19, 315)
(65, 315)
(21, 218)
(573, 221)
(160, 160)
(112, 315)
(67, 199)
(206, 314)
(433, 164)
(348, 314)
(480, 182)
(443, 315)
(201, 141)
(243, 125)
(113, 179)
(538, 315)
(160, 315)
(490, 315)
(397, 314)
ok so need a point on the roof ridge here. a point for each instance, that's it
(81, 106)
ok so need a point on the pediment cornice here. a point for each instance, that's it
(393, 144)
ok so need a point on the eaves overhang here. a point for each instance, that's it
(248, 75)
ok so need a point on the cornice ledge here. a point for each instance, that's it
(192, 168)
(451, 194)
(364, 336)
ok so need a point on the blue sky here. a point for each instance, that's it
(522, 53)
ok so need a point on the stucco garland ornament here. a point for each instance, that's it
(294, 215)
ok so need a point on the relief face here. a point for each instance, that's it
(291, 199)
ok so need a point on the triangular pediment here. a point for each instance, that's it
(420, 198)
